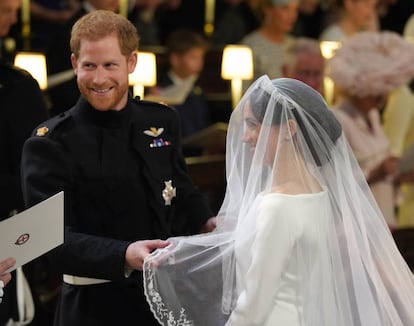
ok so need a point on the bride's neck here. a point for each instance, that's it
(294, 178)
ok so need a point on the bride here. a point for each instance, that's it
(299, 237)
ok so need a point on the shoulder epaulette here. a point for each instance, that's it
(51, 124)
(138, 100)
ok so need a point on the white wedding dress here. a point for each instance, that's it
(273, 293)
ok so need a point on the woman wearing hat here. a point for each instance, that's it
(365, 70)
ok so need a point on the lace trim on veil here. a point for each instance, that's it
(164, 316)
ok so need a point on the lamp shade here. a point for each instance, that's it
(328, 48)
(237, 62)
(35, 64)
(145, 72)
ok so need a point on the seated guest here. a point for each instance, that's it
(366, 69)
(277, 19)
(186, 51)
(303, 60)
(352, 17)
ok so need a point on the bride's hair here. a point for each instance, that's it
(314, 106)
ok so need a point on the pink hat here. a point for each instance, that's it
(372, 63)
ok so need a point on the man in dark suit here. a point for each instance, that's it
(120, 165)
(22, 107)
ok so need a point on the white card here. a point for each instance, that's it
(33, 232)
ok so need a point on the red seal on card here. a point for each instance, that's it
(22, 239)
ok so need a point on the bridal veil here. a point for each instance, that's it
(282, 138)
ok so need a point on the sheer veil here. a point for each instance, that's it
(283, 140)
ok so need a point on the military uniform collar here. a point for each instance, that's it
(107, 119)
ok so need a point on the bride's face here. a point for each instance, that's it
(252, 128)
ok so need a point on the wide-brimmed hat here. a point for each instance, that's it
(372, 63)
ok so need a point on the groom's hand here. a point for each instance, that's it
(137, 251)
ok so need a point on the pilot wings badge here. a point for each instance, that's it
(154, 132)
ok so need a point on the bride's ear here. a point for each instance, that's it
(291, 129)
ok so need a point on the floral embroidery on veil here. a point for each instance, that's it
(158, 306)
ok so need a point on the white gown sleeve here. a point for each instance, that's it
(272, 247)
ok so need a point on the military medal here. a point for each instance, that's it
(159, 143)
(168, 193)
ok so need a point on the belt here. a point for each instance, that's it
(78, 280)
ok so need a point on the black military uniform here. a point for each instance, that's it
(114, 167)
(22, 107)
